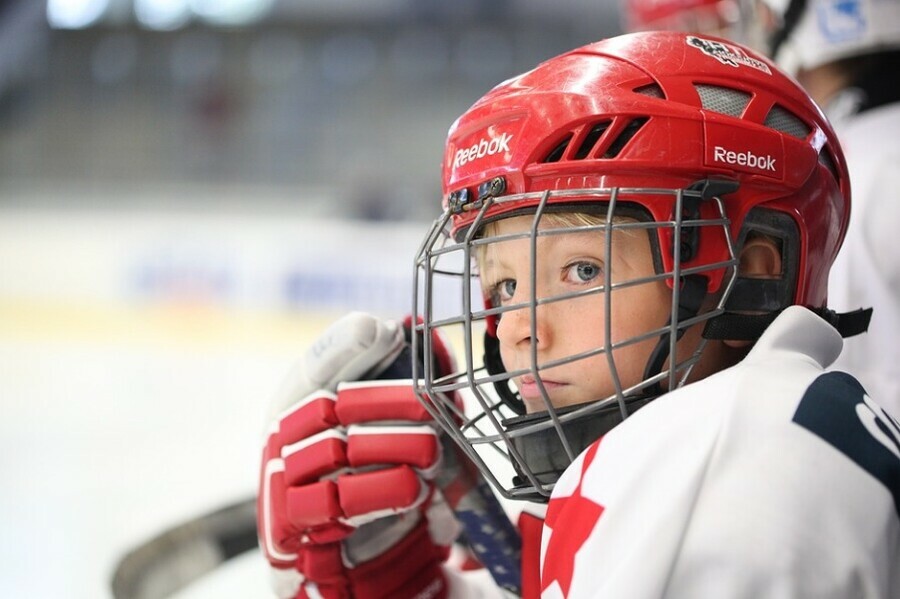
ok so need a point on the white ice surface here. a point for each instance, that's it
(138, 353)
(103, 447)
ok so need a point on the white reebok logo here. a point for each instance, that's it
(485, 147)
(748, 158)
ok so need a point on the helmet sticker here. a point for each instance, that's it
(727, 54)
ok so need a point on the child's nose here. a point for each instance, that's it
(522, 327)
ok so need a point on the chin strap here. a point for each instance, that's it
(749, 327)
(692, 292)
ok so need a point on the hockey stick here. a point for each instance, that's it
(177, 557)
(181, 555)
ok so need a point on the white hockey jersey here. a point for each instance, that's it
(771, 479)
(867, 271)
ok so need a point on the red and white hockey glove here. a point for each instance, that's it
(347, 506)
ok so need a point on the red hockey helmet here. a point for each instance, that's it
(699, 141)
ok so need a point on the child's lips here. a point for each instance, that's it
(529, 388)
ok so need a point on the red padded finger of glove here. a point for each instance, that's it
(313, 505)
(380, 492)
(308, 460)
(417, 446)
(312, 414)
(372, 401)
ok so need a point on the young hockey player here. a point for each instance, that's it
(633, 256)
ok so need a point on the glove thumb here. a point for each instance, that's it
(356, 347)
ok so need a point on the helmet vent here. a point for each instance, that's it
(827, 161)
(784, 121)
(652, 90)
(590, 140)
(624, 137)
(723, 100)
(557, 153)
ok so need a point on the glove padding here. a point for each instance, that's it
(347, 504)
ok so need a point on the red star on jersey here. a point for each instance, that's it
(576, 516)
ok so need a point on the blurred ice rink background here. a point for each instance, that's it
(190, 191)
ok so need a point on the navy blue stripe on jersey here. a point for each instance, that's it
(835, 407)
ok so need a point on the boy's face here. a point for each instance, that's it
(568, 263)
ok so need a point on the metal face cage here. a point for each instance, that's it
(523, 454)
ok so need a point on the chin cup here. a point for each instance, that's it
(543, 453)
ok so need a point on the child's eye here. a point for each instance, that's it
(582, 272)
(503, 291)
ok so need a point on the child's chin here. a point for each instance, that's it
(536, 405)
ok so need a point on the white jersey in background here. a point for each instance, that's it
(867, 270)
(771, 479)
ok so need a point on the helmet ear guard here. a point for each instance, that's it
(770, 294)
(755, 302)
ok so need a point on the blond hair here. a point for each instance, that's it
(555, 220)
